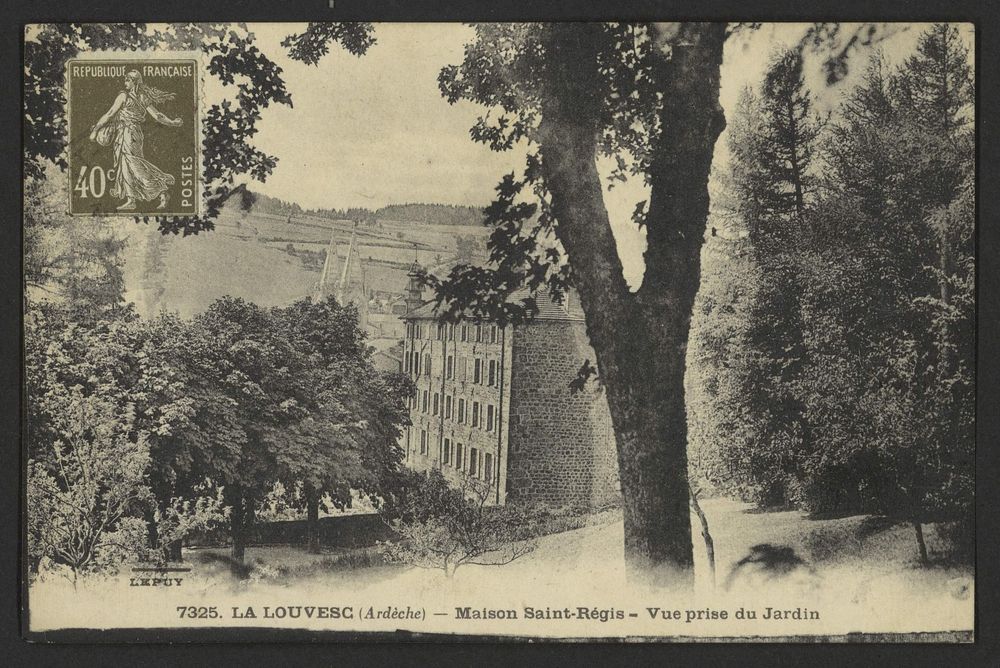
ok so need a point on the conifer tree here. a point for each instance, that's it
(882, 370)
(789, 132)
(935, 92)
(772, 145)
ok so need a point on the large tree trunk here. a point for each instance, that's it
(152, 531)
(918, 531)
(692, 120)
(640, 340)
(312, 522)
(706, 535)
(237, 527)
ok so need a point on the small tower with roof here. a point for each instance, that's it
(414, 289)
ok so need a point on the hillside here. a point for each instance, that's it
(276, 258)
(186, 274)
(432, 214)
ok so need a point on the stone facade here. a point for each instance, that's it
(494, 403)
(562, 447)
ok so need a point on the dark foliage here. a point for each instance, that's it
(853, 315)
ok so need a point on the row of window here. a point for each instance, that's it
(412, 363)
(484, 372)
(484, 416)
(448, 332)
(452, 453)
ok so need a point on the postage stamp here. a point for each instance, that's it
(134, 134)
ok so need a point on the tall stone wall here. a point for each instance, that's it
(561, 444)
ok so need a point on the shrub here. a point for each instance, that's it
(445, 528)
(86, 493)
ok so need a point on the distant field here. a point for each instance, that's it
(245, 257)
(199, 269)
(316, 229)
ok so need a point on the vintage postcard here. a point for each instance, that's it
(557, 331)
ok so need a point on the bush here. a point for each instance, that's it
(182, 519)
(444, 528)
(86, 493)
(960, 538)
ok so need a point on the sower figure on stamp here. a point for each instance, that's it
(135, 177)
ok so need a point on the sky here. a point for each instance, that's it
(374, 130)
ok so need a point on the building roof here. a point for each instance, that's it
(548, 309)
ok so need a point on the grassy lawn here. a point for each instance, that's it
(858, 582)
(824, 545)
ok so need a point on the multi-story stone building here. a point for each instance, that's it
(495, 403)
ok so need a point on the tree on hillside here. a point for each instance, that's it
(434, 214)
(144, 369)
(902, 180)
(723, 431)
(936, 97)
(324, 452)
(647, 96)
(859, 276)
(790, 132)
(246, 364)
(118, 363)
(197, 425)
(274, 205)
(303, 404)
